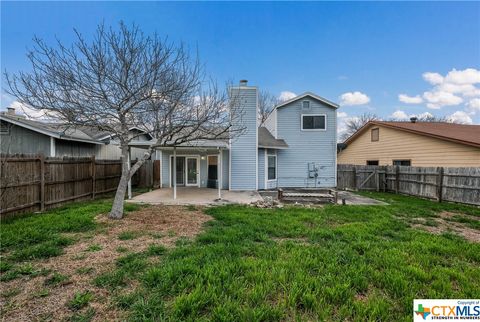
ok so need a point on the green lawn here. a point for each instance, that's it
(37, 236)
(332, 263)
(335, 263)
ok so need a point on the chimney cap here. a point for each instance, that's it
(11, 110)
(243, 82)
(413, 119)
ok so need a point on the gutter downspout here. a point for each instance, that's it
(219, 175)
(52, 147)
(130, 179)
(174, 173)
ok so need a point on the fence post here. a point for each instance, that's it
(42, 182)
(397, 179)
(354, 171)
(377, 179)
(440, 184)
(93, 175)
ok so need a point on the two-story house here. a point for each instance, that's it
(296, 147)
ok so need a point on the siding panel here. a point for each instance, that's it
(305, 147)
(243, 152)
(261, 169)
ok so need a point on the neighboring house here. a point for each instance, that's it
(295, 148)
(427, 144)
(19, 135)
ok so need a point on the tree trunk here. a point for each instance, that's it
(117, 208)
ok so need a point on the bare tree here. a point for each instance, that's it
(123, 79)
(266, 104)
(353, 124)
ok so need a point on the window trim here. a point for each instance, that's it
(309, 105)
(276, 163)
(371, 134)
(7, 127)
(315, 130)
(409, 160)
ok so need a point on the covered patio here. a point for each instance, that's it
(196, 196)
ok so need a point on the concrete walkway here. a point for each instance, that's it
(354, 199)
(196, 196)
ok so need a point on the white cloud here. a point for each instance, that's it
(466, 76)
(354, 98)
(464, 89)
(433, 78)
(399, 115)
(424, 115)
(460, 117)
(455, 88)
(438, 99)
(473, 106)
(286, 95)
(341, 114)
(410, 99)
(342, 77)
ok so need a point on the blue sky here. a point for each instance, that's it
(362, 55)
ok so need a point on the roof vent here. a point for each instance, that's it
(413, 119)
(243, 82)
(10, 110)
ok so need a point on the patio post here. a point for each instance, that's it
(174, 173)
(219, 174)
(129, 187)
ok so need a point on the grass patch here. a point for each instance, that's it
(86, 316)
(80, 300)
(23, 270)
(129, 235)
(37, 236)
(156, 250)
(353, 263)
(122, 249)
(56, 279)
(468, 222)
(11, 292)
(94, 248)
(85, 270)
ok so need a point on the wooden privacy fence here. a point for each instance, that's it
(450, 184)
(36, 183)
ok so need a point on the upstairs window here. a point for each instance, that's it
(314, 122)
(306, 105)
(272, 167)
(375, 135)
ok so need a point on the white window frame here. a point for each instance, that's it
(192, 156)
(276, 167)
(301, 122)
(309, 105)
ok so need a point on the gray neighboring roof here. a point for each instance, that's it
(314, 96)
(58, 131)
(267, 140)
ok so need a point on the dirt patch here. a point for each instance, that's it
(94, 254)
(443, 223)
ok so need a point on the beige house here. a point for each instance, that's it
(413, 143)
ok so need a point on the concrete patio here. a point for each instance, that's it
(196, 196)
